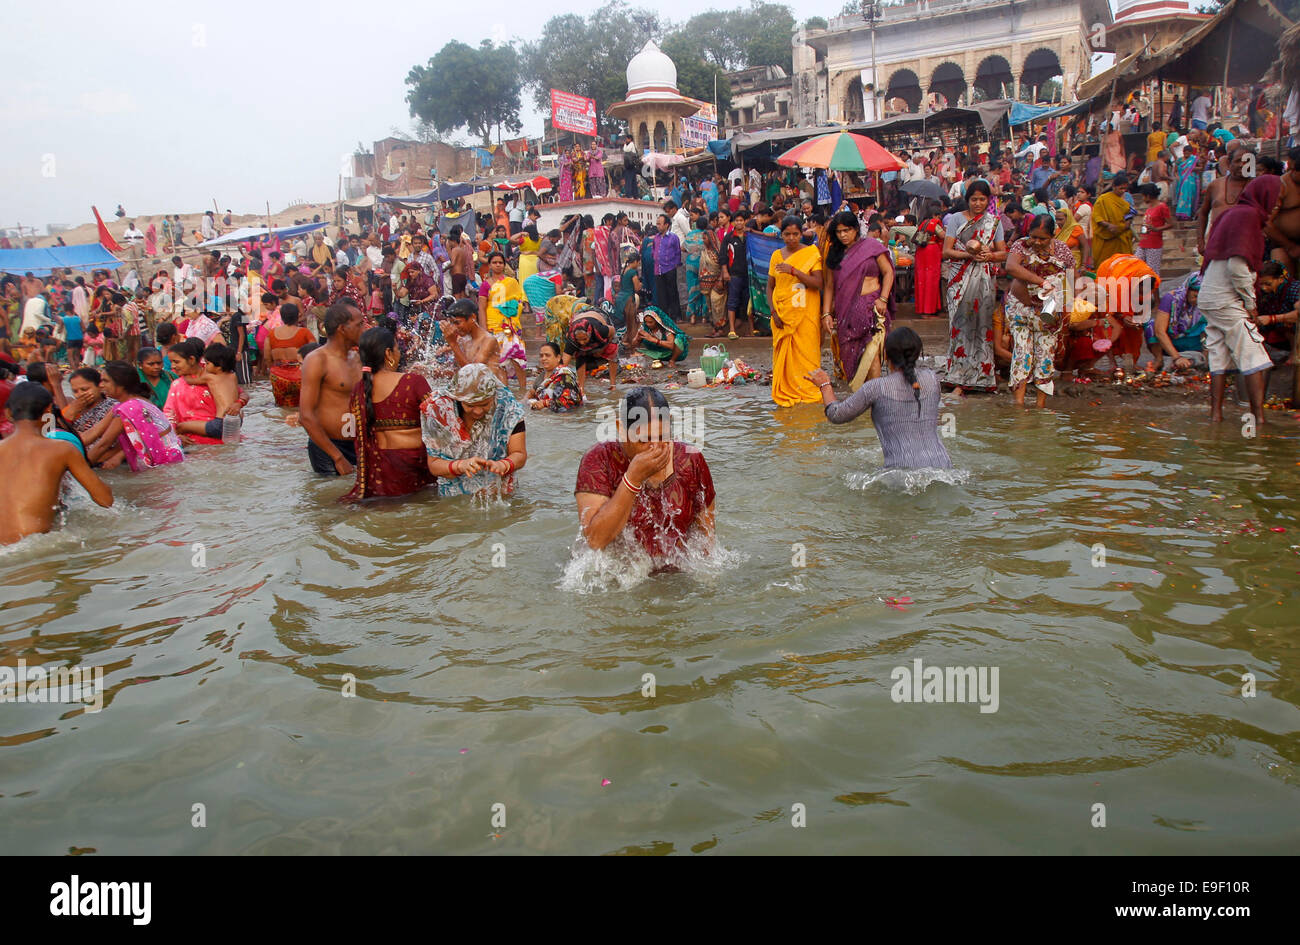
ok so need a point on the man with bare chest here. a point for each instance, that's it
(329, 375)
(470, 342)
(1222, 193)
(462, 261)
(1283, 231)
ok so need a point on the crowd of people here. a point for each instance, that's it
(401, 345)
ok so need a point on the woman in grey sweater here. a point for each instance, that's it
(904, 406)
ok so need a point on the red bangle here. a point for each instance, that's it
(511, 463)
(451, 467)
(635, 490)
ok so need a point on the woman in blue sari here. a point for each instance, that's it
(1189, 185)
(697, 303)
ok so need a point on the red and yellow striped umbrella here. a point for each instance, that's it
(840, 151)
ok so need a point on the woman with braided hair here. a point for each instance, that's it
(904, 406)
(386, 408)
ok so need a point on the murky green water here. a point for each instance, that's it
(1118, 685)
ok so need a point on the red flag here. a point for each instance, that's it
(105, 238)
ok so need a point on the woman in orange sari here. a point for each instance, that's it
(280, 353)
(794, 283)
(391, 458)
(1128, 291)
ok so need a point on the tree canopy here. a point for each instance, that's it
(467, 87)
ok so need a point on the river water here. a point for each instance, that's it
(229, 600)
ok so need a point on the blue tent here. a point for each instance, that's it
(1022, 112)
(41, 262)
(247, 234)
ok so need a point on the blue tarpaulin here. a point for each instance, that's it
(1021, 112)
(41, 262)
(720, 149)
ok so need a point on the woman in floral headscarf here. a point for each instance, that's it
(1178, 330)
(473, 433)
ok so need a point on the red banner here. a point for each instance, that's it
(105, 238)
(573, 113)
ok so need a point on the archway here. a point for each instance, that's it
(993, 79)
(854, 108)
(949, 81)
(661, 138)
(643, 137)
(905, 85)
(1040, 67)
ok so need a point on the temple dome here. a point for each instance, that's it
(650, 71)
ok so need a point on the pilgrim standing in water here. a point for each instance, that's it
(857, 298)
(974, 245)
(794, 282)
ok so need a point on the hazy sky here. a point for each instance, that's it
(166, 106)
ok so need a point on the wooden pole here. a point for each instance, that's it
(1227, 61)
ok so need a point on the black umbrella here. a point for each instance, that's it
(924, 188)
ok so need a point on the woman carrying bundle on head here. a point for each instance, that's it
(904, 406)
(386, 406)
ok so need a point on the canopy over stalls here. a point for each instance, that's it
(41, 262)
(1235, 47)
(778, 140)
(986, 115)
(1022, 113)
(246, 234)
(360, 203)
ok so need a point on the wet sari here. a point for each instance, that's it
(558, 391)
(971, 297)
(286, 376)
(391, 472)
(857, 323)
(446, 437)
(147, 439)
(505, 299)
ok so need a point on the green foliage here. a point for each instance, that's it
(816, 23)
(467, 87)
(695, 75)
(744, 38)
(588, 56)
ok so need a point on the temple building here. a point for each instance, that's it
(653, 109)
(935, 53)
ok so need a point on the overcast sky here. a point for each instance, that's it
(167, 106)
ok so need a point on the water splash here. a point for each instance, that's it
(908, 481)
(623, 564)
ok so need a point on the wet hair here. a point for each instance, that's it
(87, 374)
(463, 308)
(338, 315)
(373, 349)
(124, 376)
(289, 313)
(165, 333)
(640, 404)
(1043, 221)
(903, 347)
(553, 346)
(29, 402)
(835, 251)
(145, 353)
(191, 349)
(220, 356)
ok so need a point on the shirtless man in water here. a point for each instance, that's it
(470, 342)
(1283, 230)
(329, 375)
(33, 465)
(1222, 193)
(462, 261)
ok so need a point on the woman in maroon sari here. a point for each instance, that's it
(386, 407)
(657, 490)
(858, 290)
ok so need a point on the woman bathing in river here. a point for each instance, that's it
(645, 480)
(904, 406)
(473, 434)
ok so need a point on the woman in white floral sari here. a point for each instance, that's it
(974, 245)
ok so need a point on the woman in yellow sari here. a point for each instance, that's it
(794, 283)
(528, 249)
(501, 300)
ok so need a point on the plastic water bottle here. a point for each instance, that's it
(230, 425)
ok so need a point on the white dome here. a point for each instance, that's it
(650, 69)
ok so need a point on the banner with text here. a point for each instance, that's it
(573, 113)
(702, 127)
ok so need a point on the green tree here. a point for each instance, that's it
(816, 23)
(696, 75)
(588, 56)
(465, 87)
(744, 38)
